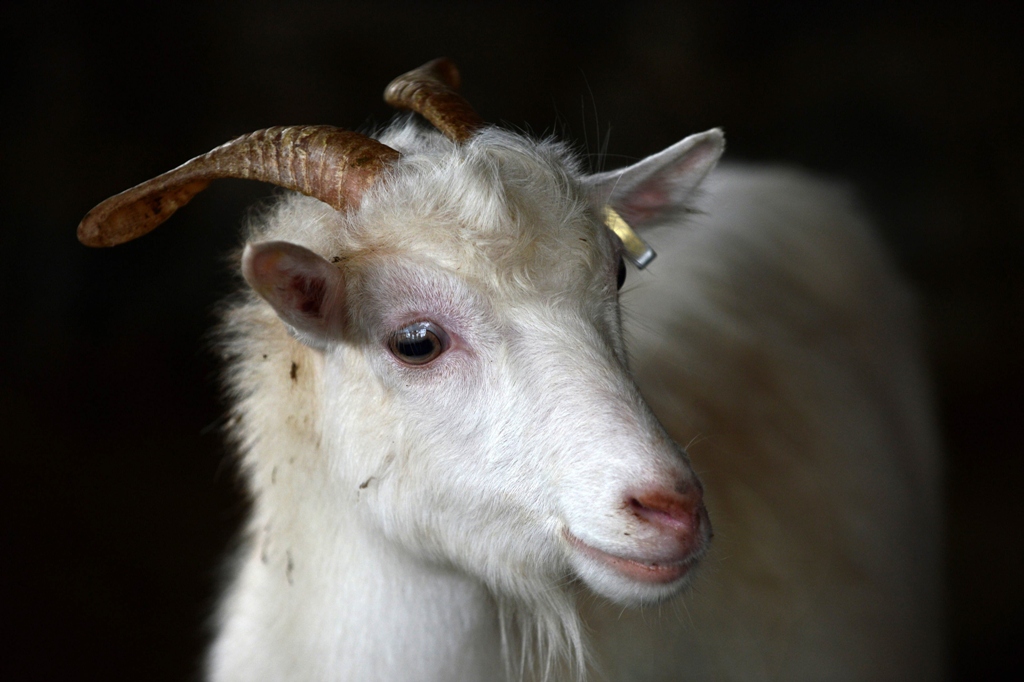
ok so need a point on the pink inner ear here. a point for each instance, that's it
(664, 182)
(309, 293)
(302, 287)
(646, 202)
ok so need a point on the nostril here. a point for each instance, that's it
(679, 511)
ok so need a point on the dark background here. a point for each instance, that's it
(120, 495)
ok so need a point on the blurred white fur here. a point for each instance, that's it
(774, 335)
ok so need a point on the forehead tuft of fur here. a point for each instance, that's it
(500, 208)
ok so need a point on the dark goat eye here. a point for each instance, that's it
(621, 278)
(418, 343)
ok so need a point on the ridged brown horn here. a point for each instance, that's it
(328, 163)
(430, 91)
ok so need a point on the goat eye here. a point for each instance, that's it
(418, 343)
(621, 277)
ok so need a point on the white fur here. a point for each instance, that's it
(410, 523)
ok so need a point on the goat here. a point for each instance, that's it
(457, 470)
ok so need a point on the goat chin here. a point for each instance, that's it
(462, 442)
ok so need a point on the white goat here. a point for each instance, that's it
(454, 475)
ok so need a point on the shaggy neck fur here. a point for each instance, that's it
(332, 597)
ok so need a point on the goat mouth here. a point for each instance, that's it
(654, 573)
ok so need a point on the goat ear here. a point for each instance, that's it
(305, 290)
(662, 184)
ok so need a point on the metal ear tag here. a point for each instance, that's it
(637, 250)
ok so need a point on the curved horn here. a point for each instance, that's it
(333, 165)
(430, 91)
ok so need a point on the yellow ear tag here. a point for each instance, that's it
(637, 250)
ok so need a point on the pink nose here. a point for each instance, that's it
(677, 513)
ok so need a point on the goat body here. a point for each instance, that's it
(459, 473)
(407, 521)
